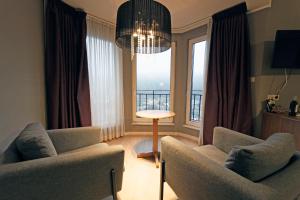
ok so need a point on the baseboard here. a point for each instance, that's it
(196, 139)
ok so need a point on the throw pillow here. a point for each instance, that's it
(258, 161)
(34, 142)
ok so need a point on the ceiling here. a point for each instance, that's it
(186, 14)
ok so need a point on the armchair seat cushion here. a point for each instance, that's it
(213, 153)
(91, 147)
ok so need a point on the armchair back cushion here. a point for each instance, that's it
(258, 161)
(225, 139)
(34, 142)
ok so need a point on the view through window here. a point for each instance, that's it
(196, 85)
(153, 81)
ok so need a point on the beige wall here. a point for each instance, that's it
(21, 66)
(263, 26)
(181, 70)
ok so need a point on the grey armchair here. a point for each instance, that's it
(83, 170)
(199, 173)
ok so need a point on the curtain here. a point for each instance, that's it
(208, 40)
(67, 81)
(228, 81)
(106, 80)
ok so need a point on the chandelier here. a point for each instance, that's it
(144, 26)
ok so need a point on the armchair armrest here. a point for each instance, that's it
(76, 176)
(224, 139)
(73, 138)
(193, 176)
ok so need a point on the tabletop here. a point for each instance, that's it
(155, 114)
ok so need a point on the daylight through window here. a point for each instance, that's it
(154, 81)
(196, 81)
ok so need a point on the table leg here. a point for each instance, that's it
(142, 153)
(155, 141)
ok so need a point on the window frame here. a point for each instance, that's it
(142, 121)
(188, 122)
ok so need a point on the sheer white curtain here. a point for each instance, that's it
(207, 50)
(106, 80)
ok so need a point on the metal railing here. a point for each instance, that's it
(195, 105)
(160, 100)
(152, 100)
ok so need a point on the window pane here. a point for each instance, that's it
(153, 81)
(197, 80)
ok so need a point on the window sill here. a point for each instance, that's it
(150, 123)
(191, 127)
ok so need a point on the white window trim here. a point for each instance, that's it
(190, 124)
(143, 121)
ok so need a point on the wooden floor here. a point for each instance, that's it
(141, 178)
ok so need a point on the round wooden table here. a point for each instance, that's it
(155, 115)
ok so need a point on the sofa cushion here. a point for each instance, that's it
(212, 153)
(95, 146)
(34, 142)
(258, 161)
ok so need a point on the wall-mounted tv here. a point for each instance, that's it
(287, 49)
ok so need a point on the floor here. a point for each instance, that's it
(141, 178)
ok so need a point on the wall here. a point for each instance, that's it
(181, 71)
(263, 26)
(21, 66)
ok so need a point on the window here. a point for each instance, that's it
(195, 85)
(153, 84)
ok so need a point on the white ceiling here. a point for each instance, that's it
(185, 13)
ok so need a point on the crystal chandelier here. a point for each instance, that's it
(144, 26)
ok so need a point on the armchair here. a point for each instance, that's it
(199, 173)
(83, 170)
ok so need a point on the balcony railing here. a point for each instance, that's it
(160, 100)
(195, 105)
(152, 100)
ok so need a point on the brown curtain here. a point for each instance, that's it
(228, 93)
(67, 83)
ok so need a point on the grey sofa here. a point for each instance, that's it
(83, 170)
(199, 173)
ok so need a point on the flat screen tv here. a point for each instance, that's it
(287, 49)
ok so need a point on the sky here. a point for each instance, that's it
(153, 70)
(198, 65)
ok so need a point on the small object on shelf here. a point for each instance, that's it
(270, 104)
(293, 109)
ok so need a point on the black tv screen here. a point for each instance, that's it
(287, 49)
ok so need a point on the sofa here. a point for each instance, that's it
(83, 169)
(200, 172)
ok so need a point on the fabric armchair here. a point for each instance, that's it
(83, 170)
(200, 173)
